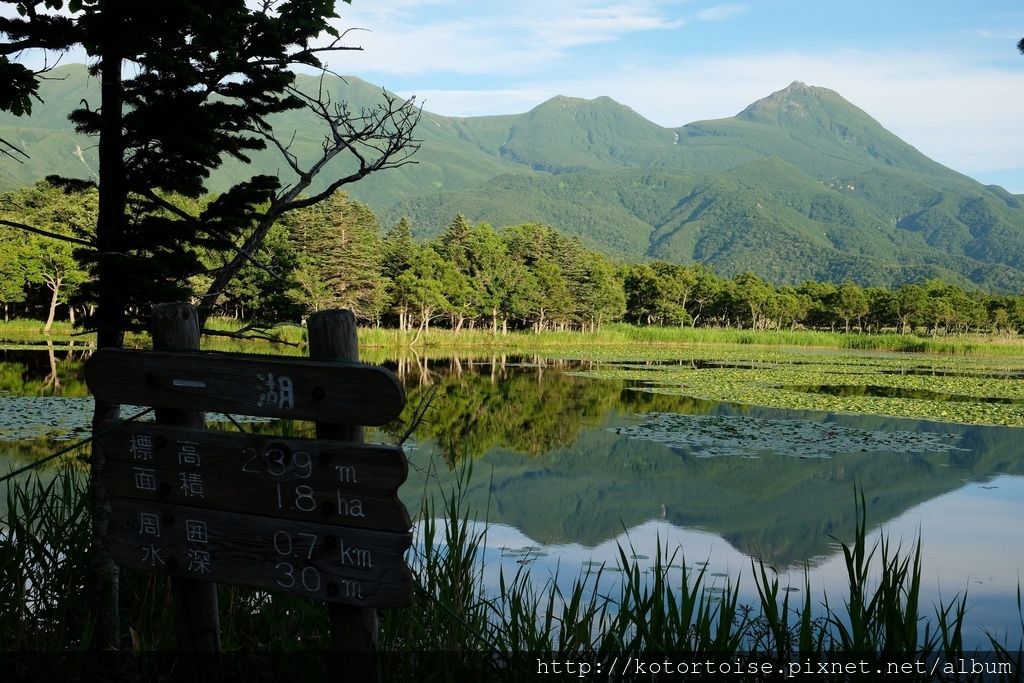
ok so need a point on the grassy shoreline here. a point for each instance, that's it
(29, 332)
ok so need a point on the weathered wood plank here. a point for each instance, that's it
(271, 386)
(196, 610)
(319, 561)
(355, 631)
(316, 480)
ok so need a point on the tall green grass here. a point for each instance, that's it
(28, 329)
(622, 334)
(44, 550)
(44, 547)
(292, 339)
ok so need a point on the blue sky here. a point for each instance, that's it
(944, 75)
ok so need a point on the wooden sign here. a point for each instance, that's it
(271, 386)
(321, 561)
(333, 482)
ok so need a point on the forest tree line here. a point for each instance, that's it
(524, 277)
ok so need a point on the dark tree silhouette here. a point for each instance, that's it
(185, 84)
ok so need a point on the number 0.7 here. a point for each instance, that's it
(283, 543)
(309, 576)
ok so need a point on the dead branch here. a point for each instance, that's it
(9, 149)
(46, 233)
(376, 139)
(251, 334)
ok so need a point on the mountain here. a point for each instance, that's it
(801, 184)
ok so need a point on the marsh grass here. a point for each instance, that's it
(44, 546)
(293, 336)
(44, 551)
(26, 329)
(622, 334)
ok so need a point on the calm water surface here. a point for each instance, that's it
(567, 470)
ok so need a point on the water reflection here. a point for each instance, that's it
(896, 392)
(553, 461)
(557, 463)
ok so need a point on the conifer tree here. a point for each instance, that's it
(338, 242)
(185, 84)
(398, 253)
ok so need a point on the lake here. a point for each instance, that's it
(574, 460)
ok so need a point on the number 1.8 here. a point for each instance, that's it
(303, 499)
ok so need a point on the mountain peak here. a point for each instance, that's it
(575, 103)
(801, 88)
(561, 101)
(792, 100)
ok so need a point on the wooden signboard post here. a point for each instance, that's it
(313, 517)
(271, 386)
(321, 561)
(313, 480)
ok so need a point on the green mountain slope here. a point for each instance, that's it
(801, 184)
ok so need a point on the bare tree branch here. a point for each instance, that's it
(285, 149)
(247, 333)
(9, 149)
(199, 225)
(169, 206)
(46, 233)
(377, 138)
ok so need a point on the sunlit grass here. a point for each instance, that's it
(281, 338)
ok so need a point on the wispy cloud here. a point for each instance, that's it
(721, 12)
(465, 38)
(1002, 35)
(978, 130)
(962, 105)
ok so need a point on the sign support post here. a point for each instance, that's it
(197, 620)
(332, 336)
(320, 518)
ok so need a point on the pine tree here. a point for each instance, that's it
(183, 85)
(454, 245)
(398, 253)
(338, 242)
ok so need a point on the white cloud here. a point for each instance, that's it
(478, 102)
(964, 115)
(1005, 35)
(720, 12)
(476, 39)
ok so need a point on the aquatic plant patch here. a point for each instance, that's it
(26, 417)
(63, 418)
(974, 391)
(710, 436)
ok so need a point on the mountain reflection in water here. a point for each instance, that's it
(557, 462)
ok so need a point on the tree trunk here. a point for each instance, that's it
(103, 576)
(54, 286)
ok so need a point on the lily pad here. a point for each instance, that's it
(708, 436)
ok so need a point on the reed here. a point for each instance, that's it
(291, 338)
(44, 550)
